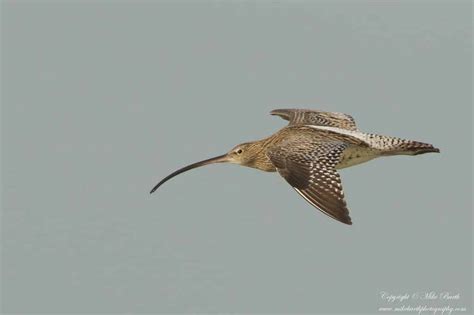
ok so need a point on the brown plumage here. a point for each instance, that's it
(308, 152)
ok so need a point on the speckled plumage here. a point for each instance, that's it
(308, 152)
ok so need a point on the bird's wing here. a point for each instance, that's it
(316, 118)
(309, 168)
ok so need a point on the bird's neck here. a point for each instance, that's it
(259, 158)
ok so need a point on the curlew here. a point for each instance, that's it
(308, 152)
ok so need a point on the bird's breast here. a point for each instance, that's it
(263, 164)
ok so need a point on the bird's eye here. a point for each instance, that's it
(239, 151)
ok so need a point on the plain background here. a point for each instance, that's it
(102, 99)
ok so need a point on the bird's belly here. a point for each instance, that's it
(356, 155)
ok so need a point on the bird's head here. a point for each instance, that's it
(242, 154)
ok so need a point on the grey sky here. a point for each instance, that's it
(100, 100)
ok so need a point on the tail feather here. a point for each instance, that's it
(415, 148)
(397, 146)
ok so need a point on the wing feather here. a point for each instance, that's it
(316, 118)
(308, 166)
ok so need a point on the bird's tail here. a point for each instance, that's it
(398, 146)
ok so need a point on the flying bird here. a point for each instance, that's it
(308, 152)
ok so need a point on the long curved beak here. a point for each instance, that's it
(218, 159)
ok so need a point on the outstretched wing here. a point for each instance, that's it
(309, 168)
(317, 118)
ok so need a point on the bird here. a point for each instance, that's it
(308, 153)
